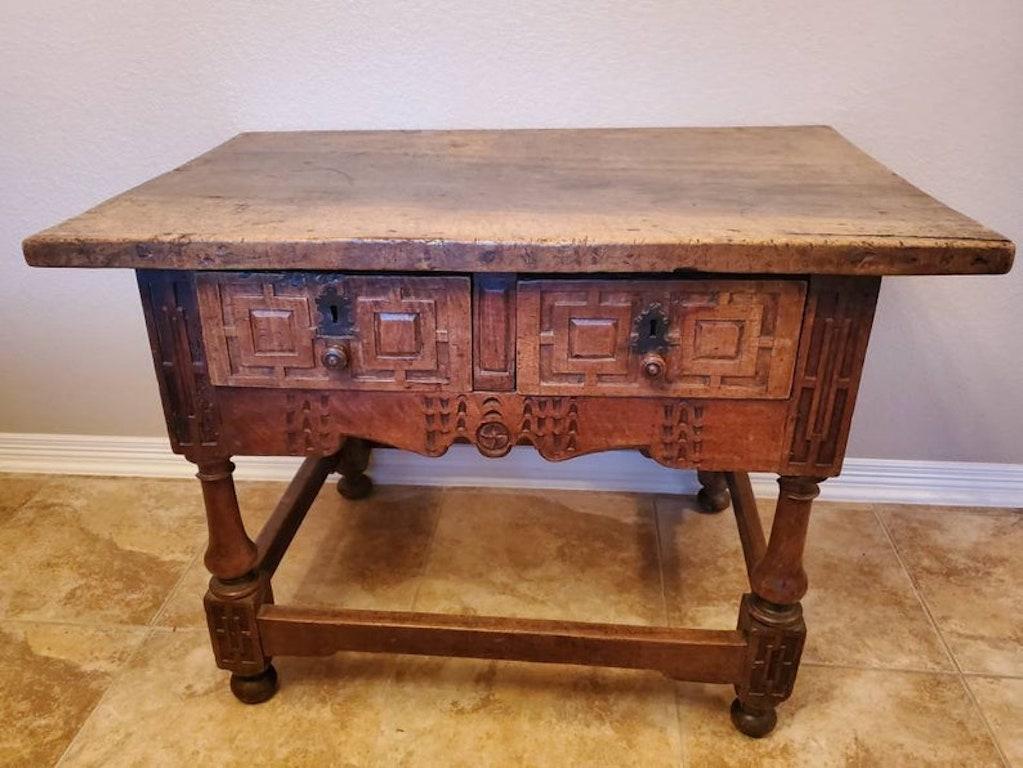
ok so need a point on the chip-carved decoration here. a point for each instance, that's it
(772, 660)
(681, 434)
(308, 424)
(398, 332)
(445, 420)
(675, 432)
(233, 629)
(719, 338)
(551, 424)
(172, 320)
(493, 437)
(838, 318)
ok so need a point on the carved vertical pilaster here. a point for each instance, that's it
(175, 336)
(836, 326)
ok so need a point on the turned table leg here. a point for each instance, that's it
(352, 462)
(771, 617)
(713, 496)
(236, 590)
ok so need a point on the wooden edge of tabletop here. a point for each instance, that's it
(806, 255)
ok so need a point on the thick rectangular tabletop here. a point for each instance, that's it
(795, 200)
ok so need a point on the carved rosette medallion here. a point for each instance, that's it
(493, 439)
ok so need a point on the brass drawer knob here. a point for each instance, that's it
(653, 366)
(335, 358)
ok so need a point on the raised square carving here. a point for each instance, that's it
(721, 334)
(272, 331)
(398, 334)
(592, 338)
(266, 329)
(721, 338)
(395, 332)
(402, 333)
(585, 333)
(718, 339)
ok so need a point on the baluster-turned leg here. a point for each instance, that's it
(352, 462)
(713, 496)
(771, 617)
(236, 589)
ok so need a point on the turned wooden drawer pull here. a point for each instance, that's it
(654, 366)
(335, 358)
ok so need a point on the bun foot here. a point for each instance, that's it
(751, 722)
(355, 487)
(255, 689)
(713, 496)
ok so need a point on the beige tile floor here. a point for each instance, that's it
(915, 653)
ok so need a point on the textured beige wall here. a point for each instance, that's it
(97, 96)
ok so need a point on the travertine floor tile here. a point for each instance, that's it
(838, 718)
(860, 609)
(967, 565)
(173, 708)
(1001, 701)
(347, 554)
(476, 713)
(545, 554)
(51, 676)
(17, 489)
(101, 550)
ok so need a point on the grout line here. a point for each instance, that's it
(916, 589)
(428, 553)
(941, 637)
(172, 593)
(103, 696)
(992, 676)
(77, 624)
(887, 670)
(655, 508)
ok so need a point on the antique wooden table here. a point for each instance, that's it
(703, 296)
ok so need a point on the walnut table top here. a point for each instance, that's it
(795, 200)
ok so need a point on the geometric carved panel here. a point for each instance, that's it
(839, 313)
(404, 333)
(723, 338)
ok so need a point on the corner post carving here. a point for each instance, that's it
(771, 617)
(237, 588)
(170, 305)
(836, 327)
(231, 609)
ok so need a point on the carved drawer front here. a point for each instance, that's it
(690, 338)
(330, 331)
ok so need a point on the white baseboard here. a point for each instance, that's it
(862, 480)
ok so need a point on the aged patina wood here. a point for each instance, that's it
(278, 276)
(793, 200)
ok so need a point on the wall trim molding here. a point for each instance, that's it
(863, 480)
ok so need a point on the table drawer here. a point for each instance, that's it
(330, 331)
(714, 338)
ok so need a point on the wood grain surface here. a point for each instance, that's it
(795, 200)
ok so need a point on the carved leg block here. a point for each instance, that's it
(776, 635)
(713, 496)
(231, 609)
(771, 617)
(352, 462)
